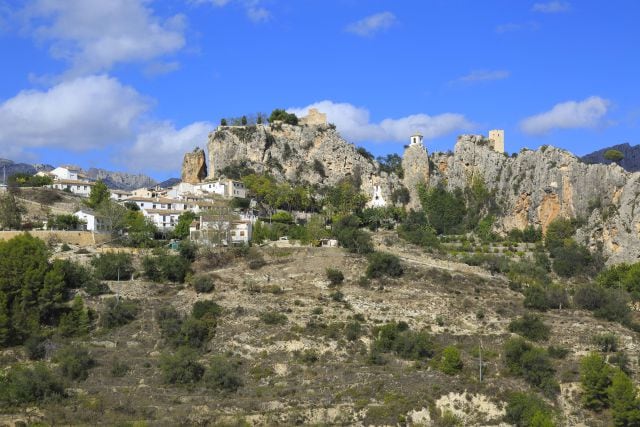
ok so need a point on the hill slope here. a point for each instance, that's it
(631, 161)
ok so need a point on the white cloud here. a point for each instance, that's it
(372, 24)
(355, 125)
(552, 7)
(253, 8)
(484, 75)
(95, 35)
(81, 114)
(587, 113)
(160, 147)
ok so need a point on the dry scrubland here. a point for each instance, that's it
(312, 368)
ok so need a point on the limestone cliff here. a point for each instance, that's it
(315, 154)
(194, 167)
(535, 187)
(415, 164)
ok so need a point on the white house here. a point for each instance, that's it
(149, 192)
(91, 220)
(164, 219)
(64, 173)
(81, 188)
(119, 195)
(241, 232)
(221, 229)
(161, 203)
(235, 189)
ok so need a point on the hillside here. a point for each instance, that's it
(631, 161)
(302, 347)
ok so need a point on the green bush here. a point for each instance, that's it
(273, 318)
(416, 229)
(113, 266)
(334, 276)
(30, 384)
(202, 284)
(172, 268)
(181, 368)
(119, 369)
(609, 304)
(532, 363)
(36, 348)
(348, 233)
(528, 410)
(337, 296)
(206, 308)
(384, 264)
(450, 362)
(607, 342)
(74, 362)
(530, 326)
(118, 312)
(595, 379)
(407, 344)
(223, 374)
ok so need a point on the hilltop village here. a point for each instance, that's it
(292, 278)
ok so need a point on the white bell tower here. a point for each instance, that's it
(416, 139)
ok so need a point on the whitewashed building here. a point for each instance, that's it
(163, 219)
(80, 188)
(119, 195)
(63, 173)
(91, 220)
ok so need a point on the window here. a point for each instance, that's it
(242, 234)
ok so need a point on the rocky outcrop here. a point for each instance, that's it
(194, 166)
(313, 154)
(415, 164)
(535, 187)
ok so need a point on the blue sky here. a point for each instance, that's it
(132, 84)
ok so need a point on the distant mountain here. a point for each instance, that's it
(11, 168)
(631, 161)
(120, 180)
(169, 182)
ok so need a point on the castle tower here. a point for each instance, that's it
(415, 163)
(497, 136)
(416, 138)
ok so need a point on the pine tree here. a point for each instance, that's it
(80, 316)
(51, 294)
(623, 400)
(5, 321)
(595, 376)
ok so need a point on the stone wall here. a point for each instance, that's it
(314, 118)
(80, 238)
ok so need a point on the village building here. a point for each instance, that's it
(163, 219)
(91, 220)
(119, 195)
(80, 188)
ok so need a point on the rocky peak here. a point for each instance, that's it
(194, 166)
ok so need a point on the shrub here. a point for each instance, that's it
(353, 330)
(530, 326)
(181, 368)
(450, 362)
(337, 296)
(625, 405)
(36, 348)
(35, 384)
(334, 276)
(113, 266)
(407, 344)
(607, 343)
(347, 232)
(595, 378)
(532, 363)
(557, 352)
(609, 304)
(118, 312)
(202, 284)
(119, 369)
(223, 374)
(528, 410)
(273, 318)
(206, 308)
(74, 362)
(381, 264)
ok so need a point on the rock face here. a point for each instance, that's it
(535, 187)
(313, 154)
(415, 164)
(194, 167)
(120, 180)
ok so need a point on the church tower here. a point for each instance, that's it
(415, 163)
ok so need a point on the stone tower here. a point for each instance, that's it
(497, 137)
(415, 163)
(194, 167)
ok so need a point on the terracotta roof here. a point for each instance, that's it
(73, 181)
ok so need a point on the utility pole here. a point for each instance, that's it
(480, 359)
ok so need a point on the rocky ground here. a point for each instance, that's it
(306, 371)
